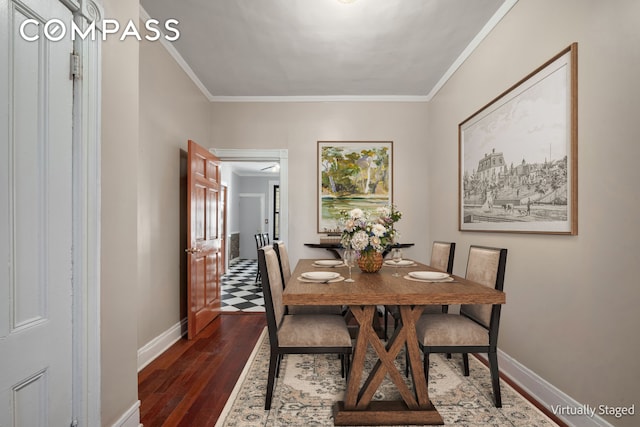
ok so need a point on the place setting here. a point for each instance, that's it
(428, 276)
(320, 277)
(397, 261)
(328, 263)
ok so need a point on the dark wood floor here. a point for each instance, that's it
(188, 385)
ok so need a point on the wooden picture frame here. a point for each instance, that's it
(518, 155)
(352, 174)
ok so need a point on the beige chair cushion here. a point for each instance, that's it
(275, 281)
(450, 330)
(440, 255)
(284, 259)
(313, 330)
(482, 267)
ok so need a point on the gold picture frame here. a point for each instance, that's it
(352, 174)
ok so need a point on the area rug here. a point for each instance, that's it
(309, 385)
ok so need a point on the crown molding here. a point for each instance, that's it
(180, 60)
(322, 98)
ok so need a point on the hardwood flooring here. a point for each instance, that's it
(188, 385)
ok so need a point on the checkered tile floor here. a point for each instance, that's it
(240, 292)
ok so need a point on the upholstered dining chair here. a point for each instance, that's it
(475, 329)
(442, 254)
(296, 333)
(285, 272)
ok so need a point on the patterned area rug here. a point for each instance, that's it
(309, 385)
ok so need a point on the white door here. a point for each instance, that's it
(35, 217)
(251, 218)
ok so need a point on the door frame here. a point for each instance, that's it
(279, 155)
(86, 370)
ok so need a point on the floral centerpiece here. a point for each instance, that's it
(369, 233)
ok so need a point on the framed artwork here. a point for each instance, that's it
(352, 174)
(518, 155)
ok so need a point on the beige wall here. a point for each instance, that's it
(119, 232)
(571, 314)
(172, 110)
(298, 126)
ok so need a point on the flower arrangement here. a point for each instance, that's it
(369, 231)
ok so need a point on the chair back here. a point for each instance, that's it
(283, 259)
(272, 289)
(485, 266)
(265, 239)
(259, 240)
(442, 256)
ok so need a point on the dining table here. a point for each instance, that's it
(363, 296)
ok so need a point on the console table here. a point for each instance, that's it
(333, 247)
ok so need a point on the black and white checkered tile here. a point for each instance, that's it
(240, 292)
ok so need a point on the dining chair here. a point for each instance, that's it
(475, 329)
(297, 333)
(442, 254)
(285, 272)
(259, 243)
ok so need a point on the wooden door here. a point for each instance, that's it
(204, 234)
(36, 100)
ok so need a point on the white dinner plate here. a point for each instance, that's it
(320, 275)
(428, 275)
(402, 263)
(328, 262)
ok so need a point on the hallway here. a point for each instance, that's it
(240, 292)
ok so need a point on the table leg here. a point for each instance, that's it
(358, 407)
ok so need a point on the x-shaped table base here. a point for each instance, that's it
(358, 407)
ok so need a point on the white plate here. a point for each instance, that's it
(403, 262)
(428, 275)
(320, 275)
(328, 262)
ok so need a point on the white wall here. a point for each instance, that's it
(571, 314)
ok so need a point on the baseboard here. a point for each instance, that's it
(160, 344)
(131, 418)
(544, 392)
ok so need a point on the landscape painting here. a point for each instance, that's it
(352, 174)
(518, 155)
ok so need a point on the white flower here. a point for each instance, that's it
(360, 240)
(375, 242)
(349, 225)
(378, 230)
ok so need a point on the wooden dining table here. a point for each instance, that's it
(362, 296)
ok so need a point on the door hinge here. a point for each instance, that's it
(76, 67)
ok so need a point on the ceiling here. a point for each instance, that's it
(268, 49)
(254, 169)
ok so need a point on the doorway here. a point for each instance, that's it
(269, 156)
